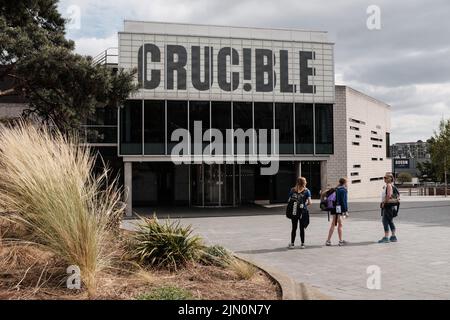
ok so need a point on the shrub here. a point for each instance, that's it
(215, 255)
(404, 177)
(166, 293)
(169, 245)
(242, 269)
(47, 182)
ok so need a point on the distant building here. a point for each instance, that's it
(406, 156)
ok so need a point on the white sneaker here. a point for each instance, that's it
(302, 246)
(291, 246)
(328, 243)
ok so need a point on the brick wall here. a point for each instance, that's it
(361, 123)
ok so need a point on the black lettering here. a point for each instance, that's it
(262, 69)
(196, 82)
(305, 71)
(285, 86)
(247, 68)
(155, 56)
(222, 68)
(178, 66)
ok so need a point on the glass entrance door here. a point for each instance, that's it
(215, 185)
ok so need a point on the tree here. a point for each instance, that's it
(61, 87)
(427, 171)
(440, 150)
(404, 177)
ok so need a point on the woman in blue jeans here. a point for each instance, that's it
(388, 210)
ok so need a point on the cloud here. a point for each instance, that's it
(93, 46)
(406, 63)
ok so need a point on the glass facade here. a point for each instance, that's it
(243, 119)
(101, 127)
(199, 116)
(324, 128)
(221, 120)
(154, 127)
(264, 120)
(131, 128)
(177, 117)
(304, 129)
(284, 122)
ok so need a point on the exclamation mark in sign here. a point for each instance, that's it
(247, 69)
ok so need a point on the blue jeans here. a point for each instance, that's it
(388, 220)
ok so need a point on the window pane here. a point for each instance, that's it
(285, 125)
(388, 145)
(221, 120)
(154, 127)
(264, 120)
(198, 112)
(131, 127)
(242, 119)
(176, 119)
(324, 128)
(304, 128)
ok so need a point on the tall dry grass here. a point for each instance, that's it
(48, 185)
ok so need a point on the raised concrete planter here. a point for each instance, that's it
(290, 290)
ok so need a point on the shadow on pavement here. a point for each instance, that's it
(282, 249)
(359, 244)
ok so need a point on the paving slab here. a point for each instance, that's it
(416, 267)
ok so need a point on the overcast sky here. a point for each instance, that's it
(405, 64)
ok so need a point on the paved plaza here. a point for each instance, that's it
(417, 267)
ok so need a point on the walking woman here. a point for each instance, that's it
(339, 211)
(390, 202)
(299, 200)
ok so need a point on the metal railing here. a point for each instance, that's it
(109, 56)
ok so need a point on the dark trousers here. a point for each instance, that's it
(296, 222)
(388, 219)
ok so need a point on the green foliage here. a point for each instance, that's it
(61, 87)
(215, 255)
(168, 245)
(166, 293)
(427, 171)
(404, 177)
(440, 148)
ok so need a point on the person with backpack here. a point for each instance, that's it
(297, 210)
(338, 209)
(390, 204)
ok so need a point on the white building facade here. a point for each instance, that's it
(362, 139)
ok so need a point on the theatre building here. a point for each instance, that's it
(198, 81)
(227, 78)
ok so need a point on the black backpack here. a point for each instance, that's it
(296, 205)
